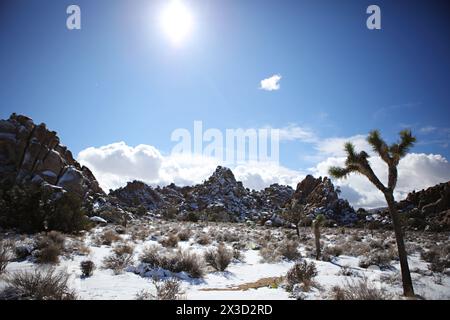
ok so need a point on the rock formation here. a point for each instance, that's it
(31, 153)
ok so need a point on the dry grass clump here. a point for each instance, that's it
(359, 290)
(121, 257)
(37, 285)
(177, 261)
(171, 241)
(378, 258)
(269, 253)
(289, 250)
(184, 234)
(438, 257)
(219, 258)
(169, 289)
(203, 239)
(274, 252)
(49, 247)
(107, 238)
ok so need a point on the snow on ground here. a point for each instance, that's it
(104, 284)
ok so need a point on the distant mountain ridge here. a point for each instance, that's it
(226, 199)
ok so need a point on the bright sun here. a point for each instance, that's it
(176, 21)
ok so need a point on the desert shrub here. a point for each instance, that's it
(183, 260)
(301, 273)
(184, 234)
(289, 250)
(359, 290)
(378, 258)
(49, 247)
(204, 239)
(33, 209)
(151, 255)
(438, 257)
(231, 237)
(170, 241)
(219, 258)
(178, 261)
(169, 289)
(121, 257)
(6, 255)
(269, 253)
(87, 268)
(334, 251)
(108, 237)
(38, 285)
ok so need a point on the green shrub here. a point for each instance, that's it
(33, 209)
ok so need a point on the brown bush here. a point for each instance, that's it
(87, 268)
(289, 250)
(203, 239)
(360, 290)
(269, 253)
(378, 258)
(218, 258)
(121, 258)
(49, 248)
(170, 241)
(38, 285)
(178, 261)
(301, 273)
(184, 234)
(108, 237)
(169, 289)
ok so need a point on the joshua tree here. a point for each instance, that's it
(295, 214)
(358, 162)
(316, 228)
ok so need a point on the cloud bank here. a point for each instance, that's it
(116, 164)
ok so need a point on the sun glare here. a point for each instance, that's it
(176, 21)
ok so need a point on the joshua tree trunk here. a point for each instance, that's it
(317, 238)
(297, 229)
(408, 289)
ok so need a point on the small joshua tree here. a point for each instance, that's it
(294, 214)
(358, 162)
(316, 228)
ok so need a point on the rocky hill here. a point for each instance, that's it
(427, 209)
(31, 153)
(223, 198)
(320, 197)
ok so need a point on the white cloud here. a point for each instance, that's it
(293, 132)
(116, 164)
(335, 146)
(271, 84)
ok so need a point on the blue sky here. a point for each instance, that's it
(120, 79)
